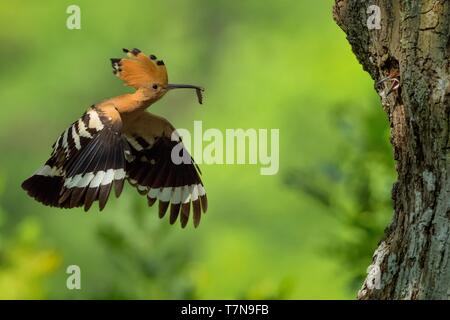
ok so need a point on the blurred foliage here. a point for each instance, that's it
(306, 233)
(355, 187)
(24, 265)
(160, 274)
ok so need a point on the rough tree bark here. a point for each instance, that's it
(414, 40)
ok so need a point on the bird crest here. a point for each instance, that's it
(139, 70)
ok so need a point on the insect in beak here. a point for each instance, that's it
(198, 89)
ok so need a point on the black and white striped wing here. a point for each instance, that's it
(154, 174)
(87, 161)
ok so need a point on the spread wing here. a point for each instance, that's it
(152, 169)
(139, 70)
(88, 159)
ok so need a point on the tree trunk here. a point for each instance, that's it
(413, 258)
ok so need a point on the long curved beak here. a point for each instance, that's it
(197, 89)
(171, 86)
(383, 80)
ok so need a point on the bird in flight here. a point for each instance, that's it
(117, 140)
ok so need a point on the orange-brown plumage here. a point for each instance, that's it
(117, 139)
(138, 70)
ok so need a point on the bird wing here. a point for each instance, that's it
(139, 70)
(87, 160)
(153, 172)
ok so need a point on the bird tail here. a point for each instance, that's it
(87, 161)
(45, 186)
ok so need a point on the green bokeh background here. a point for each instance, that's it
(307, 232)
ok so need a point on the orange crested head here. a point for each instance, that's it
(142, 71)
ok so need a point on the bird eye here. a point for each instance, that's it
(155, 86)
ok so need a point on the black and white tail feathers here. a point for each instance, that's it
(93, 157)
(87, 160)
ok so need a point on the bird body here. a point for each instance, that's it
(117, 140)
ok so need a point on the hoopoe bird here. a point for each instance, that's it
(117, 140)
